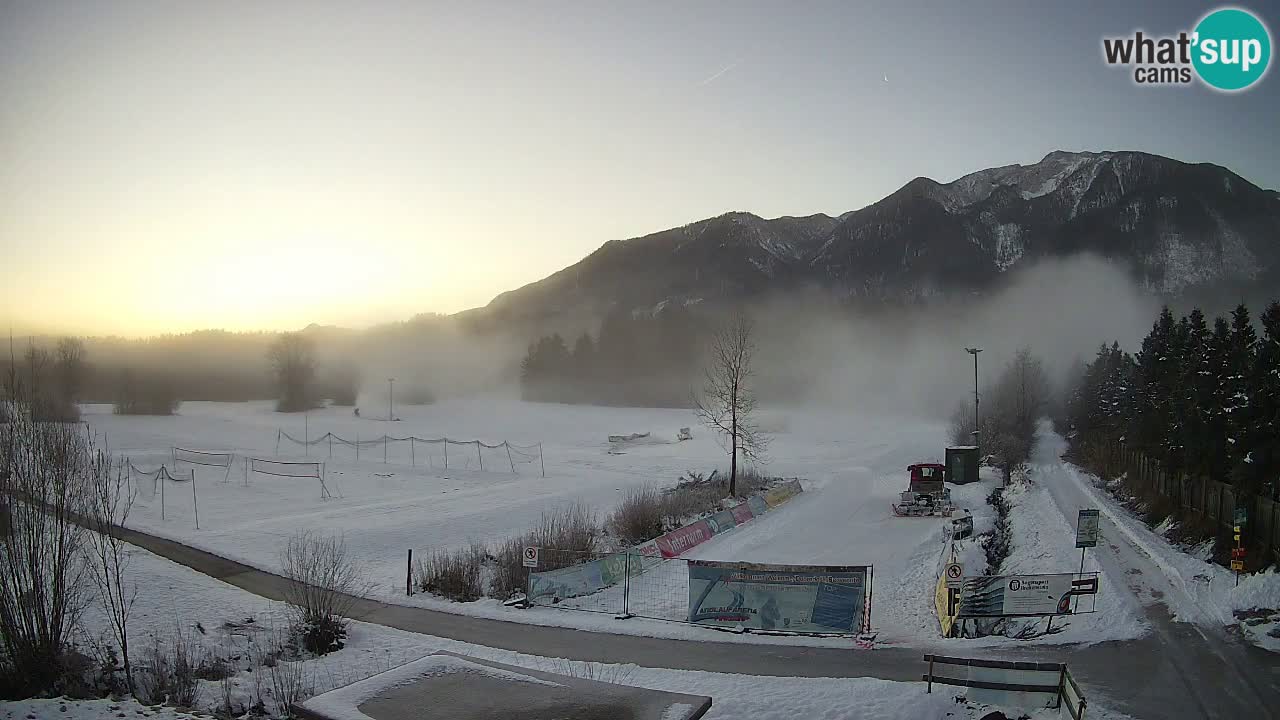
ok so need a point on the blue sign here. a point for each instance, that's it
(790, 598)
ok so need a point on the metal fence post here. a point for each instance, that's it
(408, 574)
(626, 587)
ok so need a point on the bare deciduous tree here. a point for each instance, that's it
(71, 368)
(324, 582)
(110, 500)
(727, 403)
(43, 491)
(293, 359)
(1015, 406)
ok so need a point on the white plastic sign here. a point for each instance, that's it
(531, 557)
(955, 574)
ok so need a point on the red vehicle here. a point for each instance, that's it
(926, 494)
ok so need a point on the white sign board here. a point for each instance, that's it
(531, 557)
(1087, 529)
(1014, 595)
(955, 574)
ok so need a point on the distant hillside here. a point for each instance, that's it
(1182, 229)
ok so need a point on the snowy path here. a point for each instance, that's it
(1219, 676)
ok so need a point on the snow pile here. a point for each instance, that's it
(344, 703)
(1043, 543)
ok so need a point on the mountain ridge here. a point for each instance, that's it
(1179, 227)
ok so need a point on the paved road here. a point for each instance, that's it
(1177, 671)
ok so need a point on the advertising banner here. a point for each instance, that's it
(677, 541)
(742, 513)
(781, 493)
(791, 598)
(721, 521)
(584, 578)
(568, 582)
(1018, 595)
(757, 505)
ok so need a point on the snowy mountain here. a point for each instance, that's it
(1181, 228)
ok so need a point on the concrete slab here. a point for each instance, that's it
(447, 685)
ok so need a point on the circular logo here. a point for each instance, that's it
(1231, 49)
(954, 571)
(1014, 585)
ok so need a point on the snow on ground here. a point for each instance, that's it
(176, 598)
(1194, 590)
(68, 709)
(853, 468)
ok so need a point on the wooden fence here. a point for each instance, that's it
(1210, 500)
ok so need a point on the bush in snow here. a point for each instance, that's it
(641, 516)
(324, 583)
(566, 537)
(169, 672)
(454, 574)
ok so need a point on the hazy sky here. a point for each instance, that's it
(176, 165)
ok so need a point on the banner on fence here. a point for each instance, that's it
(781, 493)
(589, 577)
(722, 521)
(677, 541)
(1021, 595)
(792, 598)
(741, 513)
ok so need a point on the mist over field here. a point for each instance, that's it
(913, 360)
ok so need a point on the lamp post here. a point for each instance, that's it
(391, 398)
(974, 352)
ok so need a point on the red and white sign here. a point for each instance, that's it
(531, 557)
(677, 541)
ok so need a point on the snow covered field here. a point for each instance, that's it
(215, 615)
(853, 468)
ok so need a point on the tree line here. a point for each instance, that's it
(648, 360)
(1011, 409)
(1203, 400)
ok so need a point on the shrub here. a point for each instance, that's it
(291, 683)
(169, 672)
(641, 516)
(46, 470)
(509, 573)
(567, 536)
(153, 395)
(696, 495)
(572, 528)
(454, 574)
(324, 582)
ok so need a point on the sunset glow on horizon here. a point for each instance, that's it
(166, 167)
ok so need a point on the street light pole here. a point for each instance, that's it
(974, 352)
(391, 398)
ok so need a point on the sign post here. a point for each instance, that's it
(530, 562)
(955, 574)
(1238, 552)
(1086, 537)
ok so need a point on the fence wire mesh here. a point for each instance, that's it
(440, 453)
